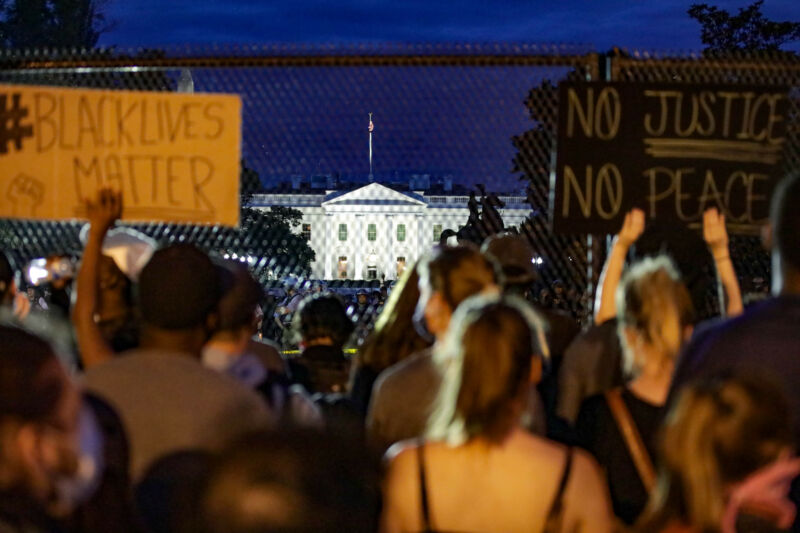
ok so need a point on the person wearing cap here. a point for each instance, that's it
(516, 258)
(167, 400)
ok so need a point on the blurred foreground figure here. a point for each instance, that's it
(293, 481)
(766, 338)
(403, 395)
(480, 471)
(654, 316)
(50, 445)
(725, 461)
(167, 399)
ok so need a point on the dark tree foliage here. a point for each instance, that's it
(269, 236)
(52, 23)
(746, 32)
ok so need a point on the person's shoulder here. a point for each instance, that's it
(399, 373)
(402, 456)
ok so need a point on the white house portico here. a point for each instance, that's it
(374, 231)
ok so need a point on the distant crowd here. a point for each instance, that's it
(162, 390)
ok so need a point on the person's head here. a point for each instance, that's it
(7, 289)
(494, 351)
(545, 297)
(394, 337)
(785, 232)
(654, 315)
(361, 297)
(321, 319)
(238, 304)
(514, 255)
(293, 480)
(689, 254)
(179, 290)
(558, 288)
(42, 427)
(448, 276)
(718, 433)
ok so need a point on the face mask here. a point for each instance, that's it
(76, 488)
(420, 326)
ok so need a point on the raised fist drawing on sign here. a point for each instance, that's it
(25, 195)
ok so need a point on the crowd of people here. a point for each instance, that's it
(470, 406)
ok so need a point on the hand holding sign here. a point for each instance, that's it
(104, 210)
(714, 232)
(632, 227)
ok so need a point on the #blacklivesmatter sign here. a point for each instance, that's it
(671, 150)
(175, 157)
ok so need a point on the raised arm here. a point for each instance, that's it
(716, 237)
(605, 304)
(103, 211)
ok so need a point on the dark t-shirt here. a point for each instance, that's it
(764, 340)
(597, 431)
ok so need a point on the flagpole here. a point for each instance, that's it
(370, 146)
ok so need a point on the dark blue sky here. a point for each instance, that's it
(439, 120)
(627, 23)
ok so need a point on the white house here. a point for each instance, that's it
(374, 231)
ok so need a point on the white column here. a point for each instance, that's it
(329, 241)
(389, 270)
(422, 237)
(358, 246)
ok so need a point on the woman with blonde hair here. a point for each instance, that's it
(725, 462)
(479, 470)
(654, 314)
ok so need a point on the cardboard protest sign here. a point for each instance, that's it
(175, 157)
(673, 150)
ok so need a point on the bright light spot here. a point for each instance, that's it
(537, 260)
(37, 271)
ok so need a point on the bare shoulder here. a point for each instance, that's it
(584, 465)
(401, 453)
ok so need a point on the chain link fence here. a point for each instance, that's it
(355, 161)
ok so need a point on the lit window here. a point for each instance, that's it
(342, 267)
(372, 232)
(343, 232)
(306, 232)
(401, 266)
(401, 232)
(437, 232)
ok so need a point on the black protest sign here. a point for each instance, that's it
(673, 150)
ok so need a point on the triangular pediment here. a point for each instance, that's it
(373, 194)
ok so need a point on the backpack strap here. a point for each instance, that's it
(632, 437)
(423, 488)
(553, 522)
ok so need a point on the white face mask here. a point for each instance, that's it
(76, 489)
